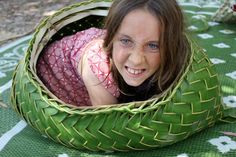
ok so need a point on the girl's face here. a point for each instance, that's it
(136, 47)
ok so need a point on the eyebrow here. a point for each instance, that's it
(127, 36)
(123, 35)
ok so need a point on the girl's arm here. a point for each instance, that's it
(97, 92)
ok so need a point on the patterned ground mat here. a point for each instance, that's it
(218, 40)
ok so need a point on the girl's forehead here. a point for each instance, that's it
(139, 24)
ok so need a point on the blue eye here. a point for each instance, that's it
(153, 46)
(125, 41)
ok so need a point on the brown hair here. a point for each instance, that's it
(174, 46)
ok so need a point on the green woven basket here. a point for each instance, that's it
(225, 13)
(190, 105)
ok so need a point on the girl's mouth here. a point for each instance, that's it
(134, 71)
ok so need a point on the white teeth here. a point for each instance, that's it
(133, 71)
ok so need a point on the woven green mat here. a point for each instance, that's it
(219, 40)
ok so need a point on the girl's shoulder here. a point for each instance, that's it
(83, 38)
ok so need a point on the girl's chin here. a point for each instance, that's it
(134, 80)
(133, 84)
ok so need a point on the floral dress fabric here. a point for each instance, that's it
(57, 66)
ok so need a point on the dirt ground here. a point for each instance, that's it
(19, 17)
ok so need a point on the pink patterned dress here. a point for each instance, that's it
(57, 67)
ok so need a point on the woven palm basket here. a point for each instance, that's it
(225, 13)
(188, 106)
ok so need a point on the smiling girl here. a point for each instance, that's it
(140, 52)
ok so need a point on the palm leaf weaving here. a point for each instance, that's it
(188, 106)
(226, 13)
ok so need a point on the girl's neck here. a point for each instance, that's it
(143, 92)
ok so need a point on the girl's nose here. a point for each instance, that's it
(136, 57)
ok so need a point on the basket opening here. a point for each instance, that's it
(82, 24)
